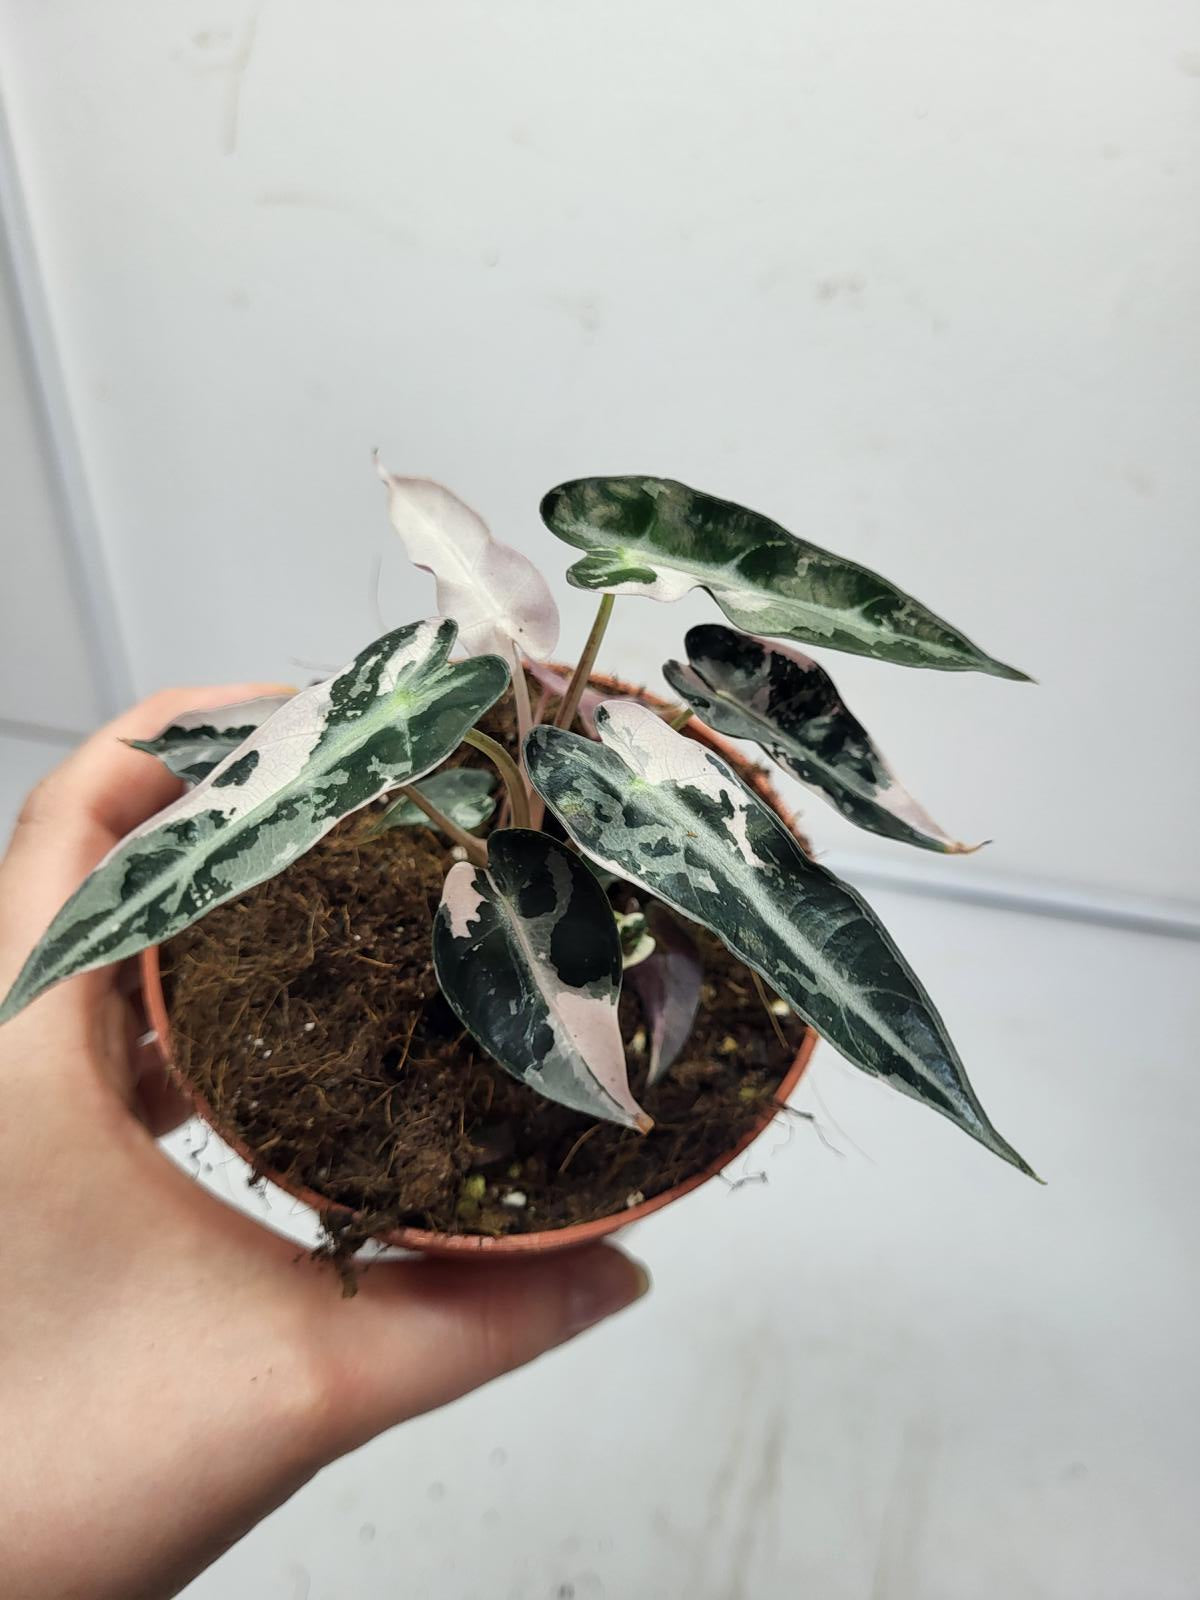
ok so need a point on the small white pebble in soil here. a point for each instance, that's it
(257, 1042)
(638, 1043)
(309, 1026)
(458, 852)
(514, 1198)
(780, 1008)
(266, 1054)
(633, 1198)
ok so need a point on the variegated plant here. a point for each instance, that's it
(536, 931)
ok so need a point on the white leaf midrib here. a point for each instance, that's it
(749, 883)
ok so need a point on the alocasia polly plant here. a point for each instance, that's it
(538, 929)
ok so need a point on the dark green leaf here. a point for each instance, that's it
(655, 537)
(790, 708)
(195, 742)
(526, 952)
(461, 794)
(669, 815)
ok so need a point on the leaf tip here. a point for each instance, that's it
(17, 998)
(1013, 674)
(960, 849)
(1001, 1147)
(643, 1123)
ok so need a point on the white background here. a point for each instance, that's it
(920, 281)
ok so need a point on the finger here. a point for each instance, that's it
(86, 805)
(420, 1333)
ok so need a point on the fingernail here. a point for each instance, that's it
(610, 1283)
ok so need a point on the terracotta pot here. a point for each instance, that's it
(514, 1244)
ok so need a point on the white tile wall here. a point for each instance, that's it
(920, 281)
(22, 762)
(46, 677)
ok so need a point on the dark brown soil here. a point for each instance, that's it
(307, 1014)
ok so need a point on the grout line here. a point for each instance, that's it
(1174, 919)
(77, 519)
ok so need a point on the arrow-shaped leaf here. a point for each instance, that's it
(193, 744)
(527, 954)
(667, 814)
(398, 710)
(668, 985)
(790, 707)
(462, 794)
(655, 537)
(496, 595)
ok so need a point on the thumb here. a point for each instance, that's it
(420, 1333)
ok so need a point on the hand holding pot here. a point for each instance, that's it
(169, 1371)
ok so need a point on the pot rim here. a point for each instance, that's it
(425, 1240)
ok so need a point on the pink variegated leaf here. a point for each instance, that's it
(527, 954)
(668, 985)
(497, 596)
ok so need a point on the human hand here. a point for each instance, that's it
(169, 1371)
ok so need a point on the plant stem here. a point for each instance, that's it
(520, 683)
(475, 848)
(579, 679)
(521, 697)
(496, 753)
(679, 719)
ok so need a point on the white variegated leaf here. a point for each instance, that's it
(497, 596)
(790, 707)
(192, 744)
(526, 952)
(659, 538)
(393, 714)
(669, 815)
